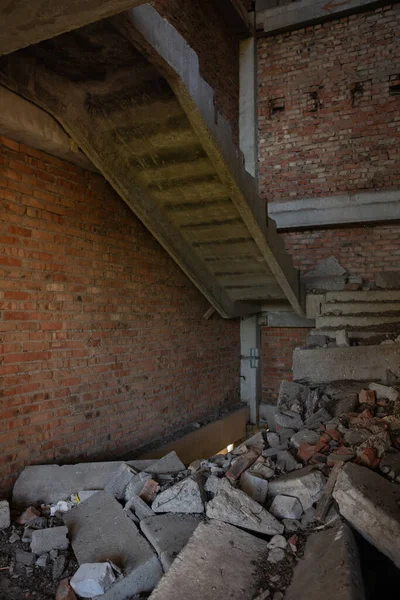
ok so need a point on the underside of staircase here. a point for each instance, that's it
(129, 93)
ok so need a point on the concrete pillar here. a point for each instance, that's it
(248, 104)
(250, 377)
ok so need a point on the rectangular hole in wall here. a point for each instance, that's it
(276, 107)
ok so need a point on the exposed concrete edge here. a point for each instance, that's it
(348, 209)
(288, 319)
(205, 441)
(181, 67)
(305, 13)
(26, 123)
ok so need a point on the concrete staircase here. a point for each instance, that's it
(356, 339)
(129, 92)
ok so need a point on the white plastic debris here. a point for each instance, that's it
(62, 506)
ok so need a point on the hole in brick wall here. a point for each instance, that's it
(276, 106)
(313, 103)
(361, 90)
(394, 85)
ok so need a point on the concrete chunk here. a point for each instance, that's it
(92, 579)
(183, 497)
(384, 392)
(253, 486)
(293, 398)
(169, 534)
(4, 514)
(101, 531)
(25, 558)
(307, 485)
(304, 436)
(286, 507)
(170, 464)
(330, 568)
(118, 483)
(371, 505)
(235, 507)
(319, 418)
(44, 540)
(196, 575)
(51, 483)
(139, 508)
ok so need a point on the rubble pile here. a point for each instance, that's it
(238, 521)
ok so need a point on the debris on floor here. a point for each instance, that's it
(242, 522)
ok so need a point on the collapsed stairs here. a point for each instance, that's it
(356, 338)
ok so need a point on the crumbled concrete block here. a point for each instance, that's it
(5, 520)
(342, 339)
(304, 436)
(241, 464)
(58, 567)
(25, 558)
(370, 504)
(168, 534)
(92, 579)
(85, 494)
(253, 486)
(308, 518)
(101, 531)
(285, 462)
(330, 567)
(14, 537)
(118, 483)
(291, 525)
(28, 514)
(42, 561)
(197, 572)
(269, 452)
(235, 507)
(286, 507)
(285, 435)
(293, 398)
(65, 591)
(51, 483)
(289, 421)
(170, 464)
(354, 437)
(44, 540)
(273, 439)
(135, 486)
(256, 442)
(139, 507)
(261, 470)
(212, 484)
(384, 392)
(319, 418)
(276, 555)
(307, 485)
(278, 541)
(183, 497)
(267, 413)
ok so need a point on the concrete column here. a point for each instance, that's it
(250, 378)
(248, 104)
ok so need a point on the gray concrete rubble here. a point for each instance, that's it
(235, 507)
(138, 507)
(220, 561)
(183, 497)
(330, 568)
(384, 392)
(100, 531)
(136, 485)
(170, 464)
(254, 486)
(307, 485)
(319, 418)
(5, 519)
(292, 398)
(44, 540)
(286, 507)
(370, 504)
(92, 579)
(168, 534)
(305, 435)
(117, 485)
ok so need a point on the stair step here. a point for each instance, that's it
(359, 334)
(364, 296)
(355, 363)
(326, 322)
(359, 308)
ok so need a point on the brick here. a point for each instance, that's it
(367, 397)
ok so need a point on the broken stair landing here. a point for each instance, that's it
(146, 120)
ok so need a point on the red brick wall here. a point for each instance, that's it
(364, 251)
(103, 342)
(200, 23)
(277, 345)
(328, 123)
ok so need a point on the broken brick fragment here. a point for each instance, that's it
(28, 514)
(305, 452)
(368, 458)
(334, 434)
(149, 491)
(65, 591)
(367, 397)
(241, 465)
(366, 414)
(341, 454)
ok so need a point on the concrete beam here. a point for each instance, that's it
(28, 124)
(309, 12)
(31, 21)
(250, 377)
(349, 209)
(288, 319)
(248, 104)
